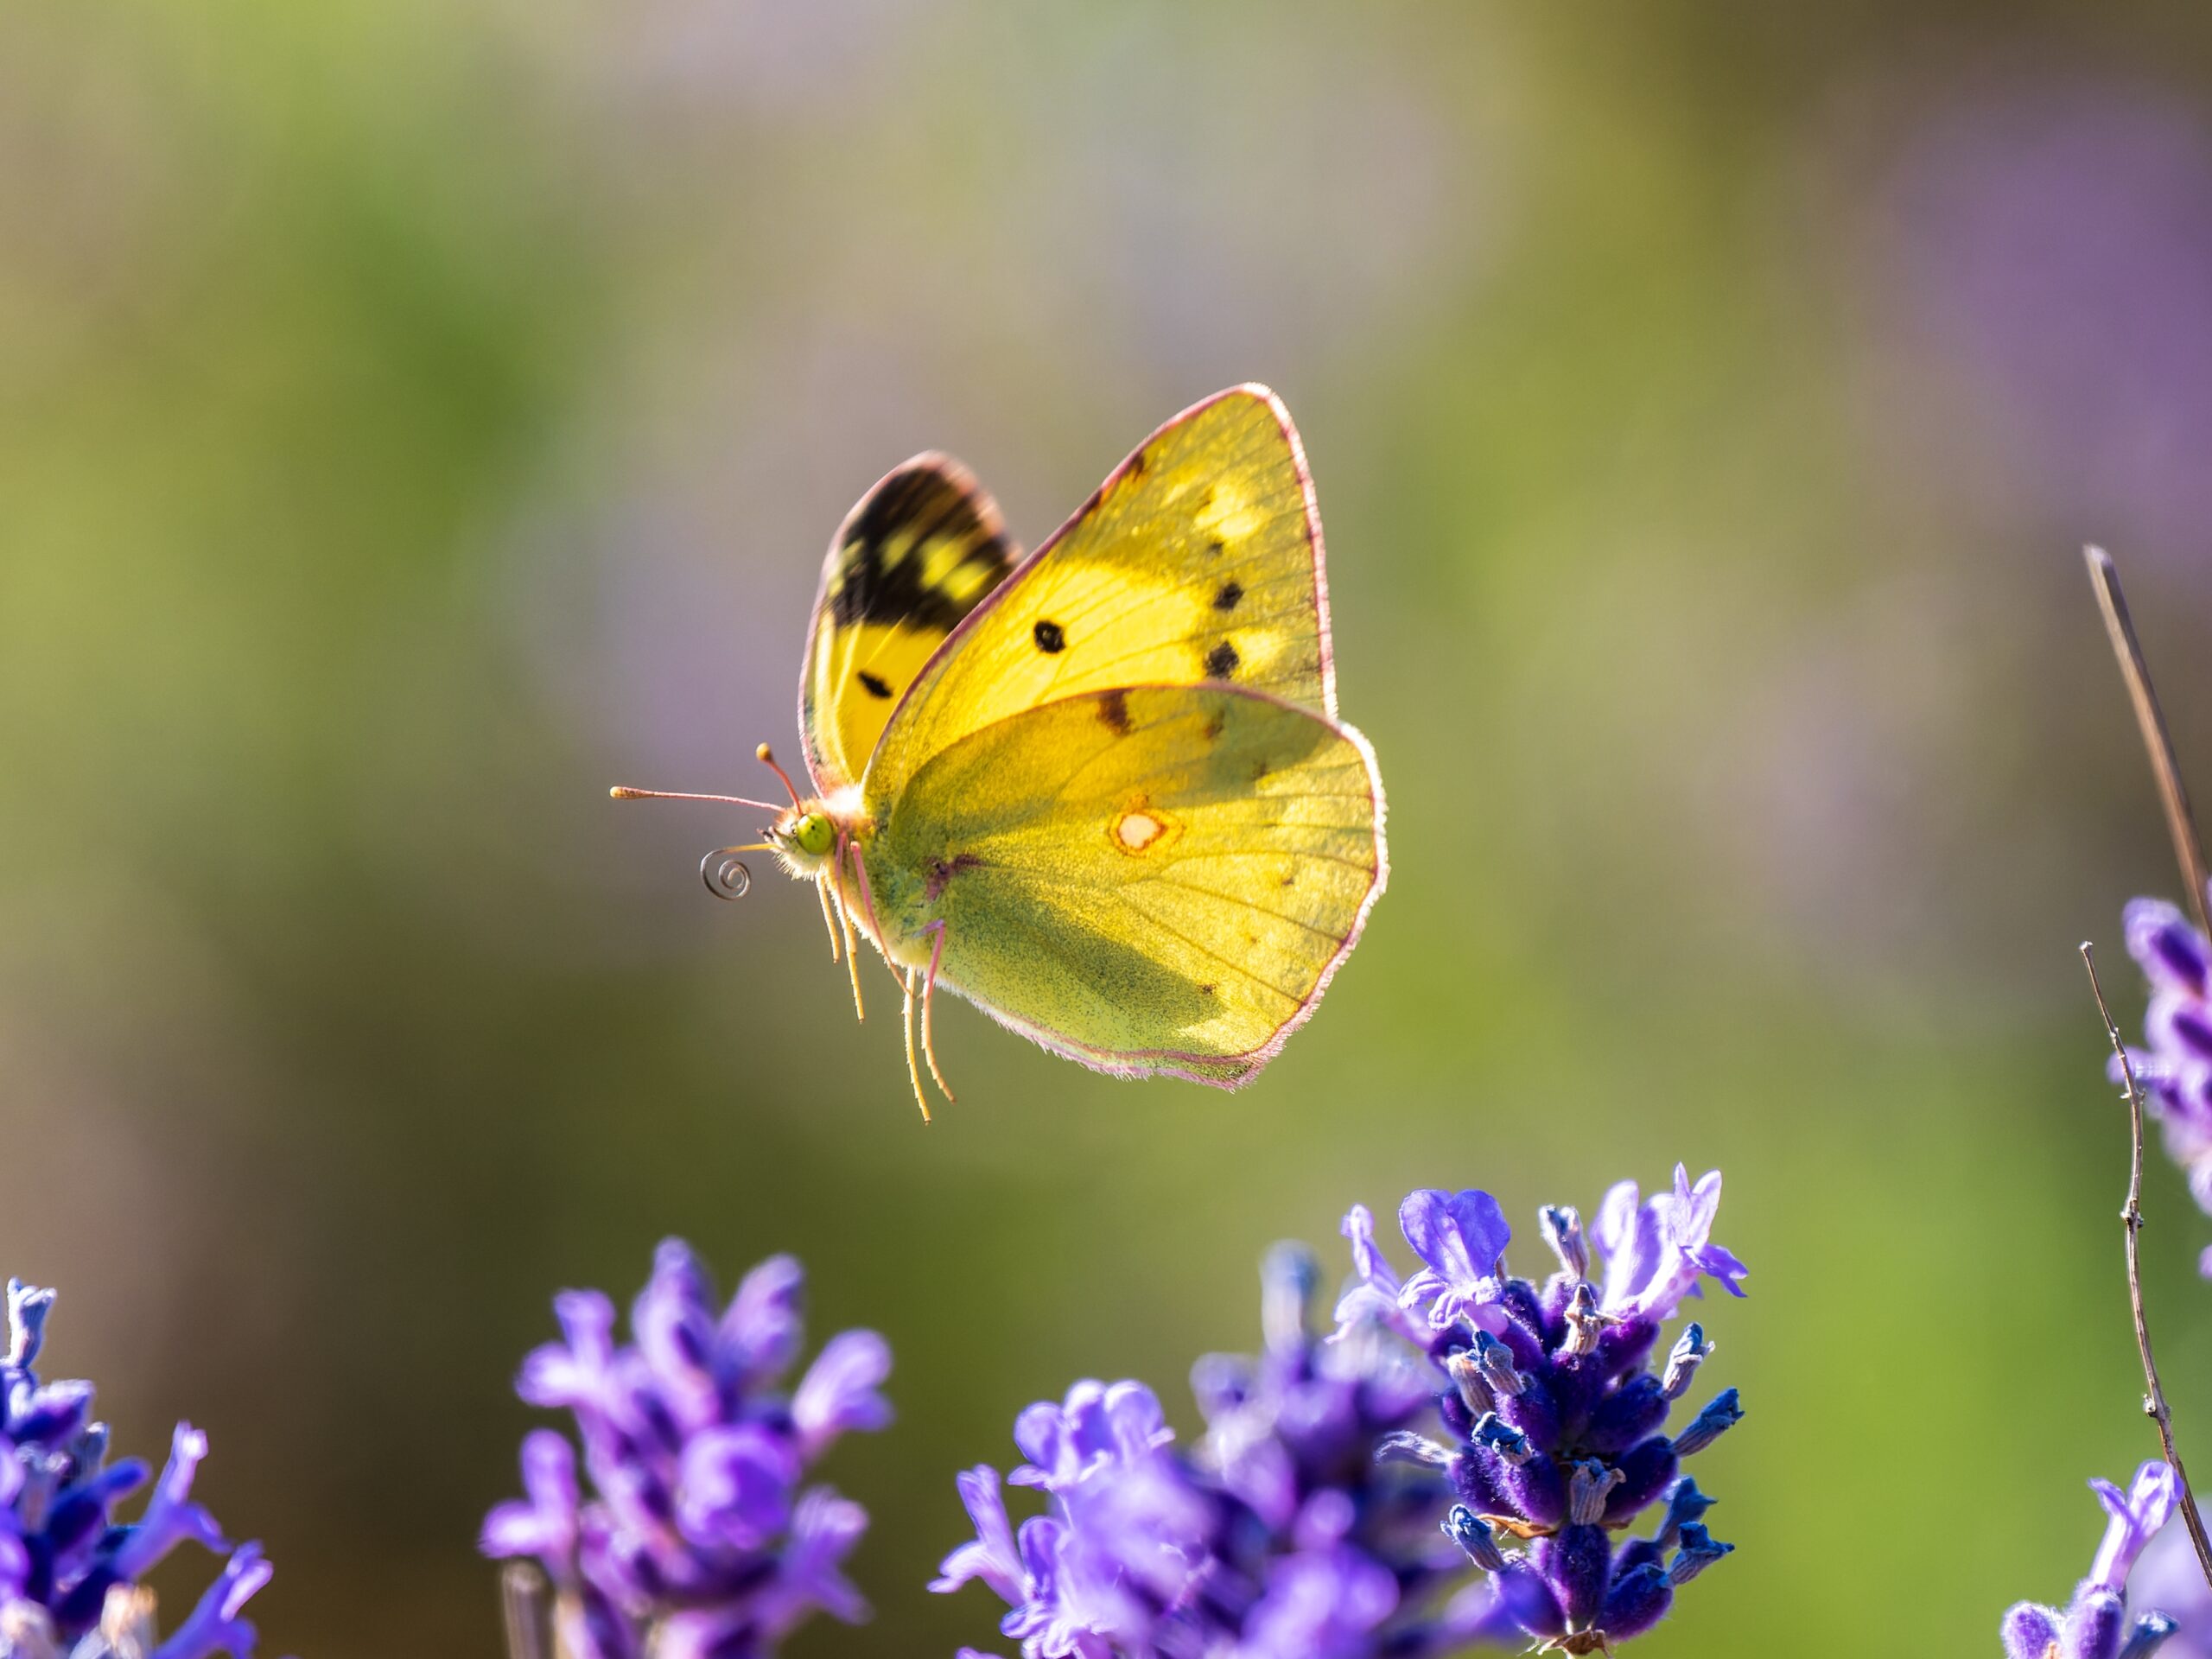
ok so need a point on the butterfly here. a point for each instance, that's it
(1102, 792)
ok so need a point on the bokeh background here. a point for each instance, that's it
(416, 416)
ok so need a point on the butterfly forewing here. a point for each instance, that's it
(920, 551)
(1199, 559)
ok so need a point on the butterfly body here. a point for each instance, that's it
(1101, 793)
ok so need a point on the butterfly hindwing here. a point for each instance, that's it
(920, 552)
(1199, 559)
(1149, 880)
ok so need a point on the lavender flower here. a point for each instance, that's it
(1315, 1517)
(2175, 1072)
(698, 1540)
(1555, 1422)
(68, 1571)
(2094, 1624)
(2167, 1577)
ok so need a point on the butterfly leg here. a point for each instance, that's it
(929, 1000)
(852, 955)
(867, 909)
(913, 1071)
(822, 892)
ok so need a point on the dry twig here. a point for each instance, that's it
(2181, 824)
(2131, 1217)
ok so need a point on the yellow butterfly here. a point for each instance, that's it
(1101, 793)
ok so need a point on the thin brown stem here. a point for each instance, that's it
(525, 1611)
(2131, 1218)
(2181, 822)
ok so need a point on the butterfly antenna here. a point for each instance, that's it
(767, 758)
(624, 792)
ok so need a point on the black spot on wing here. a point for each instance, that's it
(1227, 599)
(1049, 637)
(891, 537)
(1114, 711)
(874, 685)
(1222, 661)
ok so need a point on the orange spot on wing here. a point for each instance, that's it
(1138, 831)
(1138, 828)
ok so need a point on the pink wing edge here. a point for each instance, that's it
(1176, 1063)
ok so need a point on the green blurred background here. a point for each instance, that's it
(416, 416)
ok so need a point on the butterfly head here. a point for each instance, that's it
(805, 839)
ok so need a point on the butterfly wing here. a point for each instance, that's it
(1199, 559)
(1155, 880)
(920, 552)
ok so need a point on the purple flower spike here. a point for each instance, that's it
(28, 1307)
(673, 1320)
(2028, 1631)
(736, 1485)
(574, 1374)
(172, 1517)
(695, 1539)
(1627, 1231)
(2096, 1625)
(1374, 1295)
(544, 1525)
(824, 1532)
(765, 1326)
(2175, 1069)
(1096, 1426)
(63, 1549)
(838, 1395)
(213, 1626)
(2167, 1588)
(2150, 1633)
(2135, 1517)
(1657, 1256)
(990, 1555)
(1367, 1495)
(1462, 1238)
(1320, 1606)
(2172, 954)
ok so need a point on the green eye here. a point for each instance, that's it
(814, 834)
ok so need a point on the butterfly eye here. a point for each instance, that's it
(725, 874)
(814, 834)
